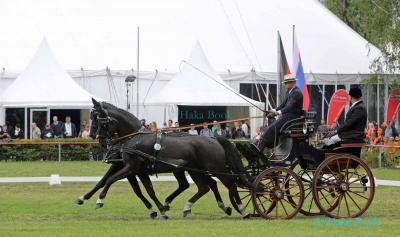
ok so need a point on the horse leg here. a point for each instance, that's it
(112, 170)
(183, 185)
(136, 188)
(150, 190)
(120, 174)
(234, 196)
(202, 188)
(214, 188)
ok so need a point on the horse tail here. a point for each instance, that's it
(234, 160)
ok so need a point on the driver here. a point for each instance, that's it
(352, 130)
(289, 109)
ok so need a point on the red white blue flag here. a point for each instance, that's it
(298, 70)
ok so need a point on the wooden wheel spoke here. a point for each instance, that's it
(353, 201)
(340, 201)
(261, 204)
(358, 195)
(347, 205)
(294, 195)
(347, 169)
(284, 183)
(292, 204)
(324, 187)
(354, 181)
(247, 203)
(280, 201)
(324, 197)
(309, 208)
(245, 197)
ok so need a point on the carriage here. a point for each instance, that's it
(300, 176)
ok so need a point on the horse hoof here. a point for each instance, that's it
(166, 207)
(228, 211)
(99, 205)
(79, 201)
(246, 216)
(186, 213)
(163, 217)
(153, 215)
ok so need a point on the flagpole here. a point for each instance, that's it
(278, 86)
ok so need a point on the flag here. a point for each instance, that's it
(283, 69)
(298, 70)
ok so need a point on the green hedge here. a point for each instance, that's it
(30, 152)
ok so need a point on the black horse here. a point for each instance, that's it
(109, 121)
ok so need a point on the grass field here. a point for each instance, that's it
(97, 168)
(37, 209)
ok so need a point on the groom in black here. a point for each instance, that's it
(290, 108)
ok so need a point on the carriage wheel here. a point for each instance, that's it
(343, 186)
(278, 193)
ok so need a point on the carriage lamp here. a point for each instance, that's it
(128, 80)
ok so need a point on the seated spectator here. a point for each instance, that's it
(228, 133)
(379, 137)
(57, 127)
(192, 130)
(83, 126)
(170, 123)
(256, 138)
(176, 125)
(205, 131)
(69, 128)
(17, 133)
(47, 133)
(5, 133)
(143, 125)
(219, 132)
(214, 127)
(153, 126)
(86, 132)
(36, 133)
(245, 129)
(165, 125)
(237, 131)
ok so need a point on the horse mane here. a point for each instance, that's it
(131, 117)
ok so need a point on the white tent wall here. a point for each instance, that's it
(2, 115)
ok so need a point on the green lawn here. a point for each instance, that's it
(41, 210)
(97, 168)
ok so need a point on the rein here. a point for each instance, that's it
(171, 129)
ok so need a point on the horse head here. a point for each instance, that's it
(109, 121)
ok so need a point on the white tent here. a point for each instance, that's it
(197, 84)
(236, 35)
(45, 84)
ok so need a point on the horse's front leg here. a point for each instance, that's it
(111, 171)
(136, 188)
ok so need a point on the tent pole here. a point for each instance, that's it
(137, 76)
(377, 102)
(26, 122)
(322, 102)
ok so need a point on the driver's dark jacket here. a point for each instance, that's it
(293, 103)
(352, 130)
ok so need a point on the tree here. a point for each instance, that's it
(379, 23)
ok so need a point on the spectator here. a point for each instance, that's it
(69, 128)
(83, 126)
(165, 125)
(57, 127)
(36, 133)
(170, 123)
(176, 125)
(192, 130)
(394, 131)
(379, 137)
(205, 131)
(245, 129)
(237, 131)
(214, 127)
(86, 132)
(5, 133)
(153, 126)
(17, 133)
(47, 133)
(219, 132)
(371, 133)
(228, 132)
(143, 126)
(256, 138)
